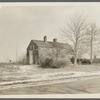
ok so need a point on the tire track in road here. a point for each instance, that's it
(45, 82)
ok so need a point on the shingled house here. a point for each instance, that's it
(38, 49)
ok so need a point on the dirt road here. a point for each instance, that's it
(74, 87)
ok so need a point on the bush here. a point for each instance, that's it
(46, 63)
(51, 63)
(81, 61)
(59, 64)
(97, 60)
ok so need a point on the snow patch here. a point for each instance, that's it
(54, 76)
(28, 68)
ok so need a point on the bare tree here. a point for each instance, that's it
(75, 31)
(83, 48)
(92, 34)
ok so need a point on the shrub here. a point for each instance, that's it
(97, 60)
(59, 64)
(51, 63)
(81, 61)
(46, 63)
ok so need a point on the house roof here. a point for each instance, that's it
(42, 44)
(50, 44)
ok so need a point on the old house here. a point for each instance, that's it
(38, 50)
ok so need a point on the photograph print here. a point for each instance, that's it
(49, 48)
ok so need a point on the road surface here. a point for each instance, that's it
(75, 87)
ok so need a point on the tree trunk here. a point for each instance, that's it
(91, 53)
(91, 46)
(75, 61)
(75, 57)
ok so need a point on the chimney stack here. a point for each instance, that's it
(55, 40)
(45, 38)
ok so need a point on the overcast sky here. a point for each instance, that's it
(20, 24)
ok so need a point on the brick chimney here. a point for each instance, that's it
(54, 40)
(45, 38)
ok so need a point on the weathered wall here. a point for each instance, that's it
(34, 49)
(53, 53)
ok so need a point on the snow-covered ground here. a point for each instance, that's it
(54, 76)
(30, 74)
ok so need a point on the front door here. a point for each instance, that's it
(30, 57)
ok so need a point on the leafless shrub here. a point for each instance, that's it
(50, 63)
(53, 59)
(46, 63)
